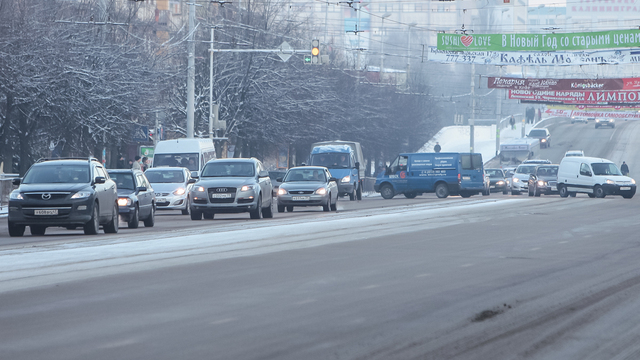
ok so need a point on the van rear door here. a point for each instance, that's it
(471, 172)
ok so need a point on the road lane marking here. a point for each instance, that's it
(423, 275)
(466, 265)
(369, 287)
(534, 249)
(307, 301)
(562, 242)
(223, 321)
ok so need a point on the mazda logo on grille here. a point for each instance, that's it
(221, 189)
(46, 196)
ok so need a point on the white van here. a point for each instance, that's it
(189, 153)
(594, 176)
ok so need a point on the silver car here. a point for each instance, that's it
(232, 186)
(308, 186)
(172, 186)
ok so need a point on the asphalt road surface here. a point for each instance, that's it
(498, 277)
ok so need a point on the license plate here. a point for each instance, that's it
(553, 188)
(625, 188)
(492, 186)
(45, 212)
(466, 178)
(300, 198)
(162, 200)
(220, 196)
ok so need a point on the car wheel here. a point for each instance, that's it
(505, 192)
(573, 194)
(134, 219)
(387, 191)
(352, 194)
(564, 192)
(465, 194)
(37, 229)
(280, 208)
(599, 191)
(515, 192)
(187, 208)
(591, 195)
(92, 226)
(289, 208)
(196, 214)
(410, 194)
(151, 220)
(208, 215)
(16, 230)
(442, 191)
(267, 212)
(112, 226)
(255, 214)
(627, 196)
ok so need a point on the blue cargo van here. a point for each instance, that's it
(443, 173)
(342, 164)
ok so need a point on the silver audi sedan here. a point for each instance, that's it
(308, 186)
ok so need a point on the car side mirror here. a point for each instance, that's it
(263, 173)
(191, 181)
(357, 165)
(99, 180)
(142, 188)
(279, 179)
(16, 181)
(195, 174)
(333, 179)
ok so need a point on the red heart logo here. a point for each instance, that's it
(466, 40)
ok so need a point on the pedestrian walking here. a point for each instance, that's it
(624, 168)
(136, 163)
(437, 148)
(512, 122)
(145, 164)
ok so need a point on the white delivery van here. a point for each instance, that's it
(189, 153)
(594, 176)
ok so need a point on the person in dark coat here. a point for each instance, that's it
(437, 148)
(624, 168)
(122, 163)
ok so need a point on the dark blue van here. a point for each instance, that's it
(443, 173)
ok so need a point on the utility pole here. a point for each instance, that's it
(386, 15)
(211, 116)
(498, 115)
(473, 107)
(191, 72)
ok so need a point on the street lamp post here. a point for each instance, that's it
(409, 50)
(386, 15)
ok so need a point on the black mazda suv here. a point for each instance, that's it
(67, 193)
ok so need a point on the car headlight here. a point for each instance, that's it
(199, 188)
(543, 140)
(500, 182)
(346, 179)
(81, 195)
(247, 187)
(179, 191)
(541, 183)
(597, 120)
(15, 195)
(633, 181)
(516, 179)
(124, 202)
(321, 191)
(282, 191)
(609, 181)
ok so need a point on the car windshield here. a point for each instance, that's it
(495, 173)
(47, 174)
(605, 169)
(188, 160)
(525, 169)
(305, 175)
(331, 160)
(123, 180)
(537, 133)
(165, 176)
(228, 169)
(547, 171)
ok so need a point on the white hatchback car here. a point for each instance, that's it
(520, 178)
(172, 186)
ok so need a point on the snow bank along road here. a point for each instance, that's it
(483, 278)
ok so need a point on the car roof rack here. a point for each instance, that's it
(90, 159)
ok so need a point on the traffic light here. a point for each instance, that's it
(151, 133)
(315, 52)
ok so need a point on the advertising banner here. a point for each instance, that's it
(577, 97)
(563, 84)
(562, 58)
(540, 42)
(594, 113)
